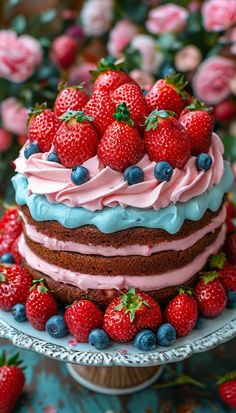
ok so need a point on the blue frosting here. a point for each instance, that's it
(115, 219)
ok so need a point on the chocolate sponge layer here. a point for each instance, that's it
(158, 263)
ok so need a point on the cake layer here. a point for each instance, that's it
(136, 265)
(110, 220)
(140, 241)
(145, 283)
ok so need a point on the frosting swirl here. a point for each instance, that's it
(107, 187)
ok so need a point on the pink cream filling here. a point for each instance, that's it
(99, 282)
(145, 250)
(107, 187)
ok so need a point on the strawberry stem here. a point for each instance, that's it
(12, 361)
(78, 115)
(176, 80)
(106, 63)
(122, 114)
(40, 284)
(63, 85)
(131, 302)
(152, 120)
(2, 278)
(183, 290)
(198, 105)
(227, 377)
(217, 261)
(209, 276)
(36, 110)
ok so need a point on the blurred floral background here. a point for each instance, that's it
(47, 41)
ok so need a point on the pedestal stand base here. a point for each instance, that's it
(115, 380)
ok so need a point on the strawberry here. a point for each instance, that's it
(210, 295)
(166, 139)
(10, 229)
(227, 389)
(42, 126)
(15, 283)
(225, 111)
(109, 76)
(5, 140)
(132, 95)
(226, 270)
(167, 94)
(101, 108)
(231, 213)
(199, 124)
(182, 313)
(121, 144)
(69, 98)
(76, 140)
(12, 381)
(129, 313)
(40, 305)
(230, 247)
(15, 252)
(63, 51)
(81, 318)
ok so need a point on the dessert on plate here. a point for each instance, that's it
(121, 190)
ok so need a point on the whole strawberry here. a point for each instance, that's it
(132, 95)
(166, 139)
(129, 313)
(76, 140)
(101, 108)
(40, 305)
(42, 127)
(182, 313)
(70, 98)
(230, 247)
(226, 270)
(109, 76)
(227, 389)
(210, 295)
(167, 94)
(199, 124)
(12, 381)
(63, 51)
(81, 318)
(121, 144)
(15, 283)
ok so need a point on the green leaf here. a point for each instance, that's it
(217, 261)
(209, 276)
(48, 16)
(228, 377)
(18, 24)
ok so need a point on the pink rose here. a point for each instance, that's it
(211, 82)
(151, 58)
(218, 14)
(14, 116)
(19, 56)
(167, 18)
(96, 17)
(120, 36)
(188, 58)
(145, 80)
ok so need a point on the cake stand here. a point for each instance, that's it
(120, 369)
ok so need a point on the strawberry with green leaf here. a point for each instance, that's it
(227, 389)
(168, 94)
(12, 381)
(129, 313)
(42, 126)
(69, 98)
(210, 294)
(226, 270)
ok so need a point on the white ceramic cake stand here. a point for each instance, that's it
(120, 369)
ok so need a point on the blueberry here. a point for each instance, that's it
(203, 161)
(133, 175)
(31, 150)
(231, 303)
(163, 171)
(7, 258)
(56, 326)
(99, 339)
(79, 175)
(18, 312)
(52, 157)
(145, 340)
(166, 335)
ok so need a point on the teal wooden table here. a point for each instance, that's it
(50, 389)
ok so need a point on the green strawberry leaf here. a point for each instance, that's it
(122, 114)
(78, 115)
(210, 276)
(227, 377)
(217, 261)
(2, 278)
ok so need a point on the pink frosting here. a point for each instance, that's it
(145, 250)
(107, 187)
(99, 282)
